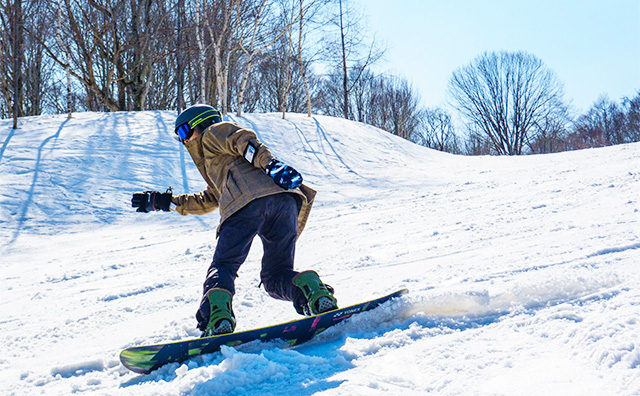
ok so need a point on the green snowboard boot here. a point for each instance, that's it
(221, 317)
(319, 298)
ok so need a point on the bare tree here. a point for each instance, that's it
(25, 71)
(436, 131)
(65, 59)
(262, 34)
(222, 22)
(293, 49)
(477, 143)
(37, 69)
(89, 32)
(404, 104)
(602, 125)
(17, 28)
(11, 62)
(386, 102)
(352, 52)
(134, 55)
(509, 97)
(307, 13)
(254, 39)
(202, 54)
(288, 65)
(632, 118)
(553, 129)
(551, 139)
(607, 123)
(330, 94)
(179, 54)
(365, 94)
(394, 107)
(112, 46)
(147, 46)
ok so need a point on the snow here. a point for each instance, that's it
(523, 271)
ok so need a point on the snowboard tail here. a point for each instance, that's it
(144, 359)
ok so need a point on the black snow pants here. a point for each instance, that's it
(275, 220)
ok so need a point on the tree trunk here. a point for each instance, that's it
(202, 58)
(17, 59)
(345, 76)
(179, 61)
(303, 73)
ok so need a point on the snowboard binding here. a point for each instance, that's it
(221, 317)
(319, 297)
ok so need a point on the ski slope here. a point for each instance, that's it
(523, 272)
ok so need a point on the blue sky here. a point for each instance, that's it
(593, 46)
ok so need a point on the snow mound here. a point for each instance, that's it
(522, 271)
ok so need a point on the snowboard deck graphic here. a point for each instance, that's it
(144, 359)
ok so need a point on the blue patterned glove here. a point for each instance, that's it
(284, 175)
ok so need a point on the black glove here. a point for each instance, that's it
(151, 200)
(284, 175)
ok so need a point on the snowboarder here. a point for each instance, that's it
(257, 195)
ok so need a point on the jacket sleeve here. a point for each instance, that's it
(196, 204)
(230, 139)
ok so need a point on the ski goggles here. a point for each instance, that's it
(184, 132)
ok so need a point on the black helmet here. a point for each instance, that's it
(198, 116)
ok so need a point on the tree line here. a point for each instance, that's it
(513, 104)
(127, 55)
(303, 56)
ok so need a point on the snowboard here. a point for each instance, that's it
(144, 359)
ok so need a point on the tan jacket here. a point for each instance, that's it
(233, 182)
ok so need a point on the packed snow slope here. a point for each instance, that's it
(523, 272)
